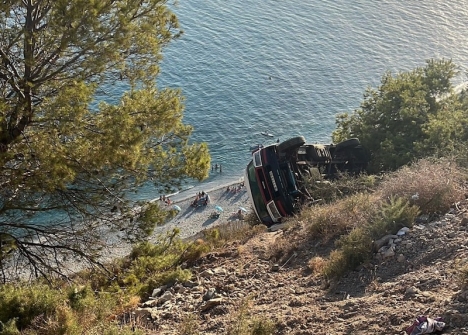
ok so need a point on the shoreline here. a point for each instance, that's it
(191, 221)
(204, 186)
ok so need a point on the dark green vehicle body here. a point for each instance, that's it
(275, 176)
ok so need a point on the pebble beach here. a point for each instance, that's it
(225, 200)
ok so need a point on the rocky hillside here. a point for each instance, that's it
(414, 274)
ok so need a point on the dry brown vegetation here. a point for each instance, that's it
(318, 255)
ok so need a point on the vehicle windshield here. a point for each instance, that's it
(255, 192)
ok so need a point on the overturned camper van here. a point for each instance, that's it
(275, 178)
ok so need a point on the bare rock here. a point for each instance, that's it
(158, 291)
(401, 258)
(211, 303)
(209, 294)
(411, 292)
(190, 283)
(165, 297)
(207, 273)
(383, 241)
(150, 303)
(464, 220)
(388, 252)
(143, 313)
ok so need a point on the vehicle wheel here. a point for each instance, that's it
(292, 143)
(350, 143)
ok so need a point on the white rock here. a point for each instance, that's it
(390, 252)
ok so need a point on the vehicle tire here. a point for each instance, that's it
(292, 143)
(350, 143)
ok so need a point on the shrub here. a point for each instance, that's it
(195, 250)
(154, 264)
(239, 324)
(327, 191)
(231, 231)
(332, 220)
(354, 249)
(336, 265)
(239, 231)
(317, 264)
(81, 298)
(189, 325)
(243, 324)
(432, 185)
(9, 328)
(394, 117)
(393, 214)
(262, 327)
(26, 302)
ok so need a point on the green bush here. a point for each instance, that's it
(9, 328)
(353, 249)
(81, 298)
(336, 265)
(407, 117)
(262, 327)
(394, 214)
(26, 302)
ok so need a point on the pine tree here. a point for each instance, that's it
(70, 149)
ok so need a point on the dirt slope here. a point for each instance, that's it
(243, 283)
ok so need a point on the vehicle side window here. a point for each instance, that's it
(257, 160)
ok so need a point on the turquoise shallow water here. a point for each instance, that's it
(290, 66)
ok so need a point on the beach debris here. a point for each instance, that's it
(425, 325)
(242, 209)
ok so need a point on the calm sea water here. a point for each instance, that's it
(289, 67)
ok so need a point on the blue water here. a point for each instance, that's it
(289, 67)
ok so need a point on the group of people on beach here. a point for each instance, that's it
(201, 199)
(235, 188)
(165, 199)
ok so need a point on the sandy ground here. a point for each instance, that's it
(191, 220)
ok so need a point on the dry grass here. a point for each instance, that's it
(317, 264)
(327, 191)
(462, 271)
(231, 231)
(282, 247)
(243, 323)
(189, 325)
(332, 220)
(354, 221)
(432, 185)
